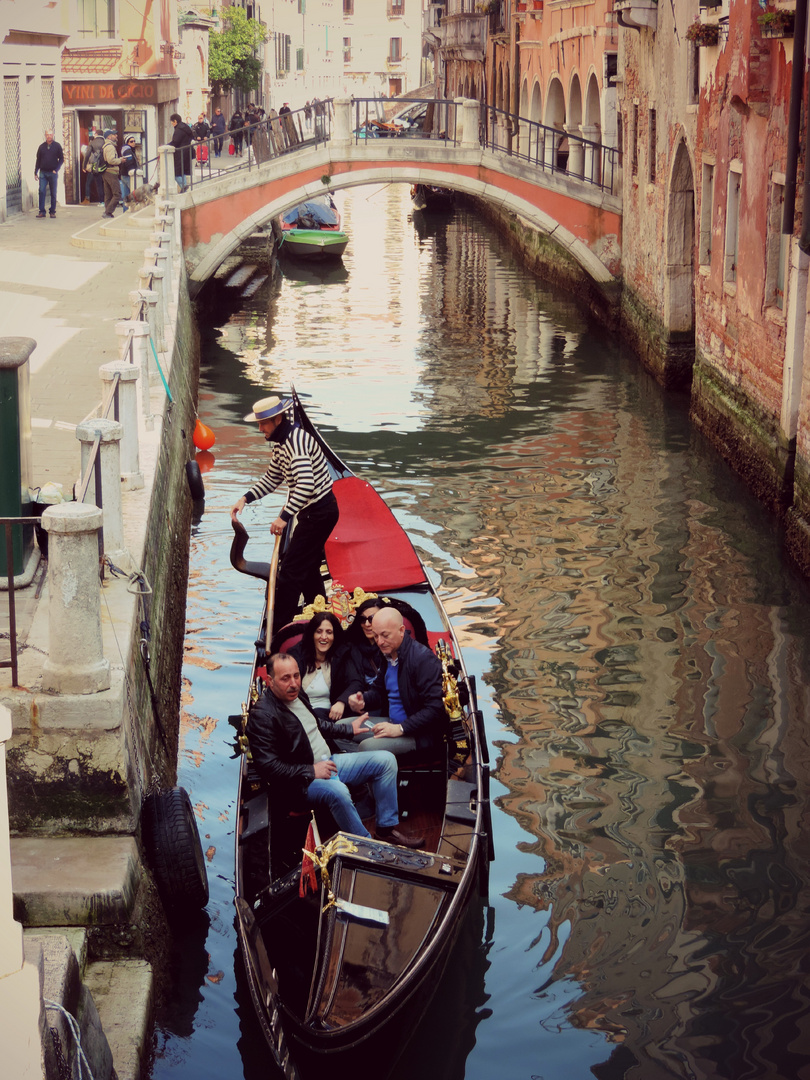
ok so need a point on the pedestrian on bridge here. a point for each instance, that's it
(181, 140)
(218, 128)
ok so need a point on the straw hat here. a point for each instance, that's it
(269, 406)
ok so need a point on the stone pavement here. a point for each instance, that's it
(68, 299)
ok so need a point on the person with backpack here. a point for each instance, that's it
(235, 128)
(128, 169)
(218, 131)
(94, 186)
(109, 176)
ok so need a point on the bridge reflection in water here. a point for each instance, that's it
(643, 656)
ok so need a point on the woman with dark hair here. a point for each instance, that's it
(322, 656)
(365, 658)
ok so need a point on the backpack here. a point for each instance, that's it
(95, 159)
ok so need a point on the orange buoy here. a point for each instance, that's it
(203, 436)
(205, 459)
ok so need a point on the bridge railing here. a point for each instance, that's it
(247, 147)
(420, 118)
(552, 149)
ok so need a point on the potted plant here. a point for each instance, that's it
(703, 34)
(776, 23)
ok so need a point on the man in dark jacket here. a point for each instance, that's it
(235, 127)
(408, 687)
(181, 140)
(46, 170)
(295, 756)
(218, 131)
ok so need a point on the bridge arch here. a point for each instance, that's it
(585, 221)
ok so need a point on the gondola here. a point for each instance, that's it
(432, 198)
(340, 976)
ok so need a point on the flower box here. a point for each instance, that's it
(776, 23)
(703, 34)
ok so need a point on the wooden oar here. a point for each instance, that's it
(271, 594)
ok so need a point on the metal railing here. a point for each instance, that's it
(548, 149)
(9, 523)
(250, 146)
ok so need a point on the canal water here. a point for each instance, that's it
(640, 644)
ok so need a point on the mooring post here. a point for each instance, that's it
(139, 331)
(127, 375)
(109, 497)
(75, 662)
(160, 257)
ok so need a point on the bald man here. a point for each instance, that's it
(408, 689)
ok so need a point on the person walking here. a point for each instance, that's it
(46, 171)
(235, 128)
(109, 178)
(128, 169)
(218, 128)
(181, 140)
(94, 186)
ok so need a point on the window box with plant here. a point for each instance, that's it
(703, 34)
(776, 23)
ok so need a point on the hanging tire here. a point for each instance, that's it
(195, 481)
(174, 851)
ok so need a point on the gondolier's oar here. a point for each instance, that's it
(271, 594)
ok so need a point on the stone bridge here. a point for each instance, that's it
(221, 211)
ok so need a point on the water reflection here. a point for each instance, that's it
(641, 650)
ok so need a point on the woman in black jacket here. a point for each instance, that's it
(322, 656)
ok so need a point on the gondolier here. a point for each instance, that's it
(298, 462)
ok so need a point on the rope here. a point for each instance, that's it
(160, 369)
(74, 1027)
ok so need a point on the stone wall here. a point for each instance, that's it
(80, 763)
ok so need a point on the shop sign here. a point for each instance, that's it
(121, 91)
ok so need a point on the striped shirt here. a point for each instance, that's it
(297, 461)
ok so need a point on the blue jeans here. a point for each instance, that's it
(125, 190)
(47, 181)
(379, 769)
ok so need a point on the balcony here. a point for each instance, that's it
(636, 14)
(465, 36)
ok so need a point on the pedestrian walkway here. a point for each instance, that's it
(68, 299)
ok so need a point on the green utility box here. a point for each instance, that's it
(15, 456)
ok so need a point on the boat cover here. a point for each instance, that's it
(368, 547)
(315, 214)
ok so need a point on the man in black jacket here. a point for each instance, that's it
(408, 687)
(46, 170)
(181, 140)
(294, 753)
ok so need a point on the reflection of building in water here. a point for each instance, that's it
(657, 700)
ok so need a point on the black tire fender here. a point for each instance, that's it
(172, 843)
(195, 481)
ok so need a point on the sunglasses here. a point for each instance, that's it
(366, 618)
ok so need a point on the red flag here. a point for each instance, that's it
(309, 880)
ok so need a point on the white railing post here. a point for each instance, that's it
(160, 257)
(75, 662)
(139, 331)
(128, 375)
(110, 494)
(342, 127)
(151, 279)
(166, 154)
(147, 300)
(20, 996)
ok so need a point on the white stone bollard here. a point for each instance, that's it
(75, 663)
(128, 375)
(110, 495)
(469, 122)
(151, 279)
(160, 257)
(20, 997)
(164, 225)
(145, 304)
(138, 356)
